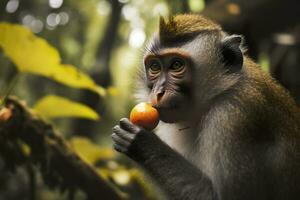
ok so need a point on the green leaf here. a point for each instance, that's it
(196, 5)
(35, 55)
(264, 62)
(89, 151)
(52, 106)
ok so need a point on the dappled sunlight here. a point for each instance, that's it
(69, 72)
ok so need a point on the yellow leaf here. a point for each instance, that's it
(52, 106)
(25, 148)
(264, 62)
(35, 55)
(113, 91)
(121, 177)
(196, 5)
(89, 151)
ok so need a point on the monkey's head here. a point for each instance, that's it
(187, 64)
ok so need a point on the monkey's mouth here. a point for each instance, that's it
(162, 107)
(170, 103)
(169, 114)
(167, 108)
(171, 108)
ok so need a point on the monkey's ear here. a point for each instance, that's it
(231, 52)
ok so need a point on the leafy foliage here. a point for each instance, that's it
(35, 55)
(89, 151)
(81, 41)
(52, 106)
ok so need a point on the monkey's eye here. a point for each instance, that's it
(177, 65)
(154, 67)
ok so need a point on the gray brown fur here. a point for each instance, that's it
(243, 140)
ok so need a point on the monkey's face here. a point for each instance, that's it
(169, 77)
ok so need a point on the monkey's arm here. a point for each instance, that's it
(174, 173)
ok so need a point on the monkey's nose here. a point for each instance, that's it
(156, 98)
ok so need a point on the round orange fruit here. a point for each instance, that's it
(144, 115)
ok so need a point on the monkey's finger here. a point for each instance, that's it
(118, 140)
(125, 135)
(120, 148)
(128, 125)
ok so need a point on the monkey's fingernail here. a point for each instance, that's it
(123, 120)
(115, 128)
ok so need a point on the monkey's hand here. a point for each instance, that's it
(134, 141)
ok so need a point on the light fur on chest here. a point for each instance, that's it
(187, 142)
(179, 137)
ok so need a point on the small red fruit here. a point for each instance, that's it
(144, 115)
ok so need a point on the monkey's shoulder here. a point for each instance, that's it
(264, 95)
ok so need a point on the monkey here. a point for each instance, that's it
(227, 130)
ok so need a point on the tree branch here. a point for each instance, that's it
(58, 163)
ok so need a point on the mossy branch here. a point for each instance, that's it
(58, 163)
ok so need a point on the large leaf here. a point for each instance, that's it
(89, 151)
(52, 106)
(35, 55)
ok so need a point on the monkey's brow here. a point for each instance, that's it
(169, 52)
(156, 48)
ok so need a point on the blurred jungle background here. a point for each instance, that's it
(70, 67)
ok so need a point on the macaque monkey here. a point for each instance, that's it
(228, 131)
